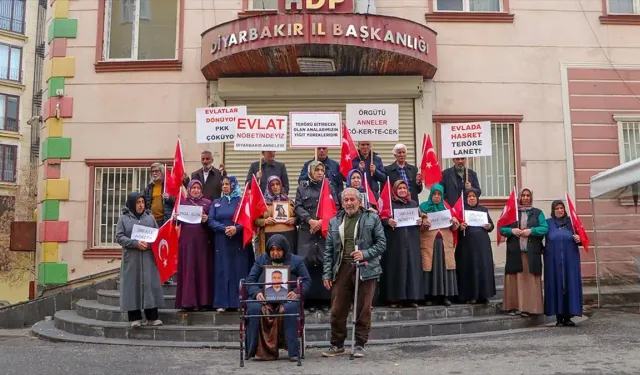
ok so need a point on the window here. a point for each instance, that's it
(624, 6)
(12, 15)
(9, 112)
(629, 140)
(497, 173)
(468, 5)
(141, 30)
(10, 62)
(263, 4)
(8, 161)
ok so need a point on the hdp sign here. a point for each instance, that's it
(336, 6)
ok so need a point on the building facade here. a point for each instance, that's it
(559, 80)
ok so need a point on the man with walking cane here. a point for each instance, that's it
(352, 262)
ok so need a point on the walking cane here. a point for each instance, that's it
(354, 317)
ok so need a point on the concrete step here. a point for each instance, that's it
(96, 310)
(71, 322)
(112, 298)
(168, 289)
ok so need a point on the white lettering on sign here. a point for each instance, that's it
(406, 217)
(297, 30)
(466, 140)
(217, 124)
(190, 214)
(373, 122)
(142, 233)
(440, 219)
(475, 218)
(261, 133)
(315, 129)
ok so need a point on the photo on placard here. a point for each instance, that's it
(276, 274)
(281, 211)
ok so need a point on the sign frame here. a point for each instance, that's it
(354, 114)
(485, 148)
(291, 129)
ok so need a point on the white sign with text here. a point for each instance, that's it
(217, 124)
(440, 219)
(466, 140)
(315, 129)
(190, 214)
(145, 234)
(261, 133)
(373, 122)
(476, 218)
(406, 217)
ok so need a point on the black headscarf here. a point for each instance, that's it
(560, 221)
(466, 198)
(132, 198)
(281, 242)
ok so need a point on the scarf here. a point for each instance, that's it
(560, 221)
(394, 195)
(428, 205)
(132, 200)
(235, 188)
(523, 216)
(361, 188)
(192, 198)
(467, 206)
(269, 196)
(313, 166)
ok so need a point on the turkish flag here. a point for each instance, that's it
(577, 224)
(348, 153)
(326, 207)
(457, 210)
(256, 200)
(384, 202)
(165, 250)
(429, 167)
(371, 198)
(242, 216)
(509, 213)
(173, 182)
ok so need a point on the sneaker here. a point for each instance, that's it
(220, 310)
(359, 352)
(136, 324)
(333, 351)
(155, 323)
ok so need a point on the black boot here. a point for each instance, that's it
(559, 320)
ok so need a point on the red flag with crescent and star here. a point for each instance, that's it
(348, 153)
(429, 167)
(577, 224)
(173, 181)
(384, 202)
(165, 250)
(243, 215)
(326, 207)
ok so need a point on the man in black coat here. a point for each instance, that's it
(373, 170)
(268, 167)
(454, 181)
(401, 170)
(209, 176)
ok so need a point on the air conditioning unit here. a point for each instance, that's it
(366, 6)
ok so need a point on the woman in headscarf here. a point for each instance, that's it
(267, 224)
(562, 274)
(523, 271)
(310, 239)
(195, 256)
(354, 180)
(474, 257)
(139, 278)
(438, 252)
(232, 259)
(402, 277)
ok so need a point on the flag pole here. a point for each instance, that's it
(371, 155)
(315, 154)
(164, 187)
(464, 231)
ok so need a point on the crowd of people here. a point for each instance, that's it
(405, 265)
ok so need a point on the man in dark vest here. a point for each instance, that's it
(454, 181)
(209, 176)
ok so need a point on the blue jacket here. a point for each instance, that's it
(296, 269)
(379, 177)
(332, 171)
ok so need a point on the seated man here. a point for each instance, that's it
(264, 334)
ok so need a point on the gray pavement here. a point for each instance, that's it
(608, 343)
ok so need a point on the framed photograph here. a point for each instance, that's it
(281, 211)
(276, 274)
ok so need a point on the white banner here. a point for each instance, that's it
(217, 124)
(466, 140)
(315, 129)
(406, 217)
(190, 214)
(476, 218)
(373, 122)
(440, 219)
(261, 133)
(142, 233)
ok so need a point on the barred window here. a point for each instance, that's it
(629, 141)
(497, 173)
(469, 5)
(263, 5)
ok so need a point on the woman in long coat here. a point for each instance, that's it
(139, 278)
(402, 277)
(562, 274)
(310, 240)
(267, 225)
(474, 257)
(438, 252)
(195, 257)
(523, 271)
(232, 260)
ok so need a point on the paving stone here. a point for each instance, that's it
(441, 329)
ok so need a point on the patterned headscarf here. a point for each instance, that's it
(269, 196)
(395, 196)
(428, 205)
(191, 197)
(235, 188)
(313, 166)
(361, 188)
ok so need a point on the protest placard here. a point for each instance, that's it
(217, 124)
(406, 217)
(476, 218)
(315, 129)
(190, 214)
(142, 233)
(261, 133)
(440, 219)
(466, 140)
(373, 122)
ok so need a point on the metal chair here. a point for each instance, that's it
(244, 301)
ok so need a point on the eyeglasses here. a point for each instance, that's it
(154, 171)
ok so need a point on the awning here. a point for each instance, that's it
(318, 44)
(619, 182)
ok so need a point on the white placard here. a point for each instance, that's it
(261, 133)
(217, 124)
(406, 217)
(315, 129)
(190, 214)
(373, 122)
(142, 233)
(476, 218)
(466, 140)
(440, 219)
